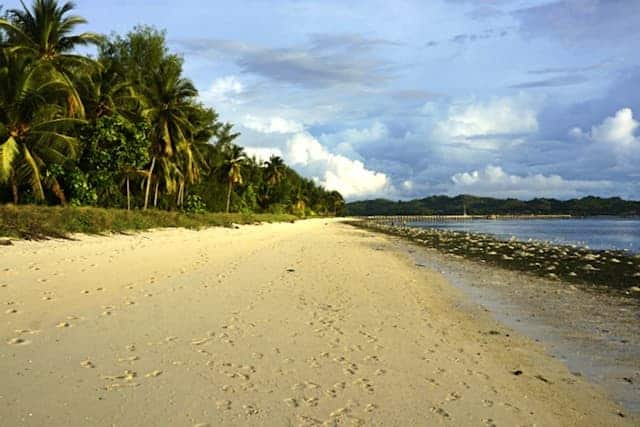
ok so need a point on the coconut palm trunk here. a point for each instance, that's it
(14, 189)
(155, 195)
(150, 174)
(229, 195)
(128, 195)
(180, 200)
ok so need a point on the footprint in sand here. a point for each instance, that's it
(339, 412)
(127, 376)
(370, 407)
(365, 384)
(18, 341)
(63, 325)
(489, 422)
(223, 405)
(11, 311)
(290, 401)
(227, 388)
(440, 411)
(311, 401)
(87, 364)
(452, 396)
(153, 374)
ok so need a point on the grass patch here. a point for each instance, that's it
(41, 222)
(604, 270)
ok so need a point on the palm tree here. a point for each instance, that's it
(234, 157)
(45, 35)
(105, 92)
(301, 201)
(335, 202)
(168, 101)
(274, 170)
(32, 127)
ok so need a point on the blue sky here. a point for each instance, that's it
(404, 99)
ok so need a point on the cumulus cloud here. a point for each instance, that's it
(334, 171)
(618, 130)
(223, 89)
(615, 135)
(499, 116)
(272, 124)
(263, 153)
(354, 136)
(494, 181)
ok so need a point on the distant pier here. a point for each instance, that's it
(405, 219)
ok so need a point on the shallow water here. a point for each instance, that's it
(604, 347)
(593, 233)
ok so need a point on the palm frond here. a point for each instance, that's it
(33, 173)
(8, 152)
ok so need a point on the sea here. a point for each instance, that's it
(597, 233)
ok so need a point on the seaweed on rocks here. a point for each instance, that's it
(603, 270)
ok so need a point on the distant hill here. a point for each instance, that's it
(445, 205)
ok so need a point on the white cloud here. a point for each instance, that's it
(494, 181)
(613, 143)
(617, 130)
(273, 124)
(499, 116)
(222, 89)
(262, 153)
(354, 136)
(334, 171)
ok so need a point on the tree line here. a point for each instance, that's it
(444, 205)
(125, 128)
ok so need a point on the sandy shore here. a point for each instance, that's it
(282, 324)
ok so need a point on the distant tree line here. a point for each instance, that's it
(124, 129)
(444, 205)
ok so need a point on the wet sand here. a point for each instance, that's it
(312, 323)
(595, 334)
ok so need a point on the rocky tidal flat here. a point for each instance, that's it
(602, 270)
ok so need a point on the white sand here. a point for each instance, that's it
(282, 324)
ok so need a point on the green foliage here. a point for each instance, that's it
(39, 222)
(113, 149)
(443, 205)
(126, 130)
(195, 204)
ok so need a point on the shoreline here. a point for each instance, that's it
(595, 332)
(274, 324)
(602, 347)
(605, 271)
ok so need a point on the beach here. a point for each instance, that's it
(310, 323)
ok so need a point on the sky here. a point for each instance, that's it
(409, 98)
